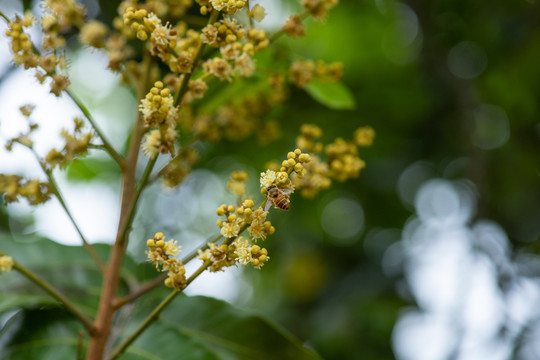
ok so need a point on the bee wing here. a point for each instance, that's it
(268, 204)
(286, 191)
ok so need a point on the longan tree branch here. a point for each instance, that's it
(151, 285)
(154, 315)
(48, 288)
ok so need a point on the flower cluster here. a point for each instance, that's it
(76, 144)
(93, 33)
(24, 53)
(229, 6)
(163, 255)
(223, 32)
(237, 183)
(248, 254)
(303, 72)
(6, 263)
(13, 186)
(294, 27)
(318, 8)
(163, 39)
(159, 113)
(219, 256)
(364, 136)
(341, 162)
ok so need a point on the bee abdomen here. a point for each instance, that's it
(282, 203)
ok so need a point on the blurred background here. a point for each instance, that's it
(432, 253)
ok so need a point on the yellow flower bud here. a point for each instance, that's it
(248, 211)
(255, 262)
(231, 208)
(165, 92)
(219, 223)
(255, 249)
(298, 167)
(271, 230)
(231, 218)
(291, 155)
(160, 243)
(158, 236)
(150, 243)
(262, 258)
(158, 84)
(249, 203)
(297, 151)
(291, 162)
(220, 211)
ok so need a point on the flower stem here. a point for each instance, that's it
(112, 152)
(182, 89)
(48, 288)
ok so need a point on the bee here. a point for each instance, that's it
(278, 197)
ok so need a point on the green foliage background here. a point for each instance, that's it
(337, 297)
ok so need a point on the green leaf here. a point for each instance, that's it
(334, 95)
(89, 168)
(45, 334)
(70, 269)
(229, 332)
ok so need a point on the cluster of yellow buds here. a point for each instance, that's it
(307, 140)
(21, 46)
(237, 183)
(163, 256)
(302, 72)
(319, 8)
(295, 162)
(294, 27)
(13, 186)
(25, 54)
(246, 253)
(343, 160)
(317, 178)
(6, 263)
(220, 256)
(364, 136)
(76, 144)
(258, 41)
(221, 33)
(228, 6)
(159, 112)
(94, 33)
(140, 22)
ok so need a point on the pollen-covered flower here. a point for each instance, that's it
(163, 255)
(220, 256)
(267, 178)
(228, 6)
(6, 263)
(230, 229)
(219, 68)
(243, 250)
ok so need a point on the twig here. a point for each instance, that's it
(116, 157)
(85, 320)
(151, 285)
(154, 315)
(56, 190)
